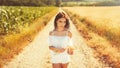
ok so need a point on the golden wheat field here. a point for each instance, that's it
(99, 20)
(103, 17)
(103, 20)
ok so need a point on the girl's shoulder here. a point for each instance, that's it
(69, 33)
(51, 32)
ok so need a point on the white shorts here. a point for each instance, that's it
(60, 58)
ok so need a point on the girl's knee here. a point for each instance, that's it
(56, 65)
(65, 65)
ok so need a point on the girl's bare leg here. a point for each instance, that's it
(65, 65)
(56, 65)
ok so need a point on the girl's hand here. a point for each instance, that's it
(70, 51)
(61, 50)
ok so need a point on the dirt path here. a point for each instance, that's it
(36, 54)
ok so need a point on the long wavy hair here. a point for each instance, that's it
(61, 15)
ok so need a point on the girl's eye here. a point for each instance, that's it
(60, 21)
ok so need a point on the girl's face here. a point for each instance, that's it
(61, 22)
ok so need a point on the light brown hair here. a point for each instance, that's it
(61, 15)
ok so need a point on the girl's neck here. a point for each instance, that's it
(60, 29)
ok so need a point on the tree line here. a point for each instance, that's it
(30, 2)
(55, 2)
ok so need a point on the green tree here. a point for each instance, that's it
(58, 3)
(28, 2)
(50, 2)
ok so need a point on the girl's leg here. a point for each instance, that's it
(56, 65)
(65, 65)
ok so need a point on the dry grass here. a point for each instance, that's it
(102, 20)
(11, 45)
(102, 47)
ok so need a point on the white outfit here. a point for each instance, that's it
(60, 42)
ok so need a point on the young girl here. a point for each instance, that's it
(60, 43)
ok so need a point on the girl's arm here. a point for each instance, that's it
(58, 50)
(70, 47)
